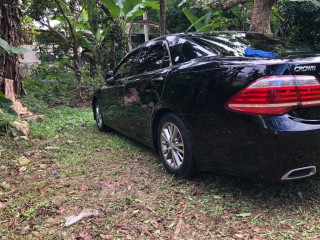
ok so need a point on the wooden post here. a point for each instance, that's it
(145, 27)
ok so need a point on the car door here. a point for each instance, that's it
(144, 88)
(112, 95)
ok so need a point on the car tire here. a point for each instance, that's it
(174, 147)
(99, 118)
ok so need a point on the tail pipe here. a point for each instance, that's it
(300, 173)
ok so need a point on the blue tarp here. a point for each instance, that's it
(249, 52)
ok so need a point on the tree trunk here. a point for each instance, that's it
(77, 68)
(10, 31)
(262, 10)
(260, 21)
(93, 67)
(162, 17)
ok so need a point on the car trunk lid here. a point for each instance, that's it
(306, 65)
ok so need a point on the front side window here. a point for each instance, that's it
(124, 69)
(152, 58)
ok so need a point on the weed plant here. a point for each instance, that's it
(7, 114)
(51, 84)
(60, 120)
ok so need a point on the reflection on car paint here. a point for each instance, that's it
(207, 70)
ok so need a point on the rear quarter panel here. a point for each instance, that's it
(221, 139)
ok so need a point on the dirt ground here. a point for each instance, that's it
(73, 167)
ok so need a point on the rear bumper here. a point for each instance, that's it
(255, 146)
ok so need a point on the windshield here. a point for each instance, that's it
(234, 44)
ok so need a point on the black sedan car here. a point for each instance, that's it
(240, 103)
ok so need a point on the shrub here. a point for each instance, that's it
(7, 114)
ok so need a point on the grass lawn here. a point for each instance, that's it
(73, 167)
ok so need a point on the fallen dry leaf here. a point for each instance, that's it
(124, 231)
(42, 191)
(85, 236)
(106, 236)
(62, 210)
(84, 188)
(154, 224)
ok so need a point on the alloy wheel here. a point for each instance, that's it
(172, 145)
(98, 115)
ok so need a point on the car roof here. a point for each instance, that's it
(198, 34)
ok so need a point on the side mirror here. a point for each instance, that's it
(108, 76)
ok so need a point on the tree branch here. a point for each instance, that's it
(70, 66)
(76, 19)
(227, 5)
(71, 7)
(54, 30)
(106, 10)
(66, 17)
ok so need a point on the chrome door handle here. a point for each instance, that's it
(157, 79)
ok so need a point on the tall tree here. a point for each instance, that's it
(260, 21)
(10, 31)
(262, 10)
(162, 17)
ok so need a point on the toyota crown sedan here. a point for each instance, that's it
(239, 103)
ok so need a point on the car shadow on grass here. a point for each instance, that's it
(262, 192)
(257, 191)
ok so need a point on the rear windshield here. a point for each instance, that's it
(234, 44)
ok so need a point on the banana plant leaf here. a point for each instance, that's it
(12, 50)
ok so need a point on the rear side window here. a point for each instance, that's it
(152, 58)
(235, 43)
(183, 50)
(124, 69)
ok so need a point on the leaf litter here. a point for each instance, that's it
(132, 197)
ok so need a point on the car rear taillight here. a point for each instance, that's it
(276, 95)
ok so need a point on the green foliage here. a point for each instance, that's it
(59, 120)
(5, 120)
(93, 31)
(70, 16)
(51, 84)
(114, 7)
(7, 114)
(124, 12)
(237, 18)
(176, 21)
(48, 85)
(314, 2)
(4, 102)
(101, 36)
(195, 21)
(11, 50)
(5, 105)
(302, 21)
(127, 10)
(35, 105)
(114, 44)
(296, 19)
